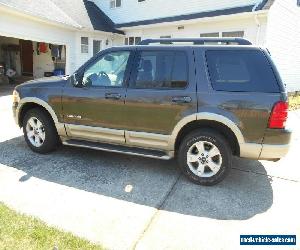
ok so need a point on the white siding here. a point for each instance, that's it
(283, 40)
(132, 10)
(81, 58)
(246, 24)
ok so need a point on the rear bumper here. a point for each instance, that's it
(272, 152)
(276, 145)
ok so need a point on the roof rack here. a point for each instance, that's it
(197, 41)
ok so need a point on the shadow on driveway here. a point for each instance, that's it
(240, 196)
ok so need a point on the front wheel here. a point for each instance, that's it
(204, 156)
(39, 131)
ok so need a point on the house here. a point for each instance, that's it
(76, 29)
(84, 27)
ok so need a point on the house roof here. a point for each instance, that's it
(42, 9)
(87, 14)
(262, 5)
(81, 14)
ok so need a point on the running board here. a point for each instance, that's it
(119, 149)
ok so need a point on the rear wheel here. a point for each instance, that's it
(39, 131)
(204, 156)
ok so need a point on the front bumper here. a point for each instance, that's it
(15, 112)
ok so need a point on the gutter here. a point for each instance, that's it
(203, 20)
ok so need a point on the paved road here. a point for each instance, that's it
(125, 202)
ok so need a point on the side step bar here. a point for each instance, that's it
(118, 149)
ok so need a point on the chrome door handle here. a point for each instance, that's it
(181, 99)
(113, 96)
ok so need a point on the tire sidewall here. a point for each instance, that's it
(50, 133)
(219, 142)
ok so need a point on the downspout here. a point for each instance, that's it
(257, 22)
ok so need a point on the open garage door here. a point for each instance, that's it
(26, 59)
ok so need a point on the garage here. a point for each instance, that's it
(22, 60)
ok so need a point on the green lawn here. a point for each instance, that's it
(294, 102)
(18, 231)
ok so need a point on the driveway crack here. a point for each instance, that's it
(258, 173)
(159, 207)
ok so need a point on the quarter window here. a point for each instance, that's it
(108, 71)
(84, 45)
(160, 69)
(240, 70)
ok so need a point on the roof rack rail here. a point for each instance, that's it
(197, 41)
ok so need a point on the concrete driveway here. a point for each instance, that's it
(125, 202)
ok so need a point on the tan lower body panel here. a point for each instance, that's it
(147, 140)
(250, 150)
(263, 151)
(273, 151)
(96, 133)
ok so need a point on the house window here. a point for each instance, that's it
(96, 46)
(165, 42)
(212, 34)
(132, 40)
(115, 4)
(137, 40)
(84, 45)
(233, 34)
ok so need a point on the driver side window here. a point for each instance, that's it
(107, 71)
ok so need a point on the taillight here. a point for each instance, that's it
(278, 115)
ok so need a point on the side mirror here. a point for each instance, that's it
(87, 82)
(75, 80)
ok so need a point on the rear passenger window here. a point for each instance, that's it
(240, 70)
(160, 69)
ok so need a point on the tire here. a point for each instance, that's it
(209, 166)
(39, 131)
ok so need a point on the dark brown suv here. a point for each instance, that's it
(200, 102)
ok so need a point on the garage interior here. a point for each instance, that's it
(23, 60)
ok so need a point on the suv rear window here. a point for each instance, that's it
(240, 70)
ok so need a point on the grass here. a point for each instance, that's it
(18, 231)
(294, 102)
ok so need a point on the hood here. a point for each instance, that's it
(54, 81)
